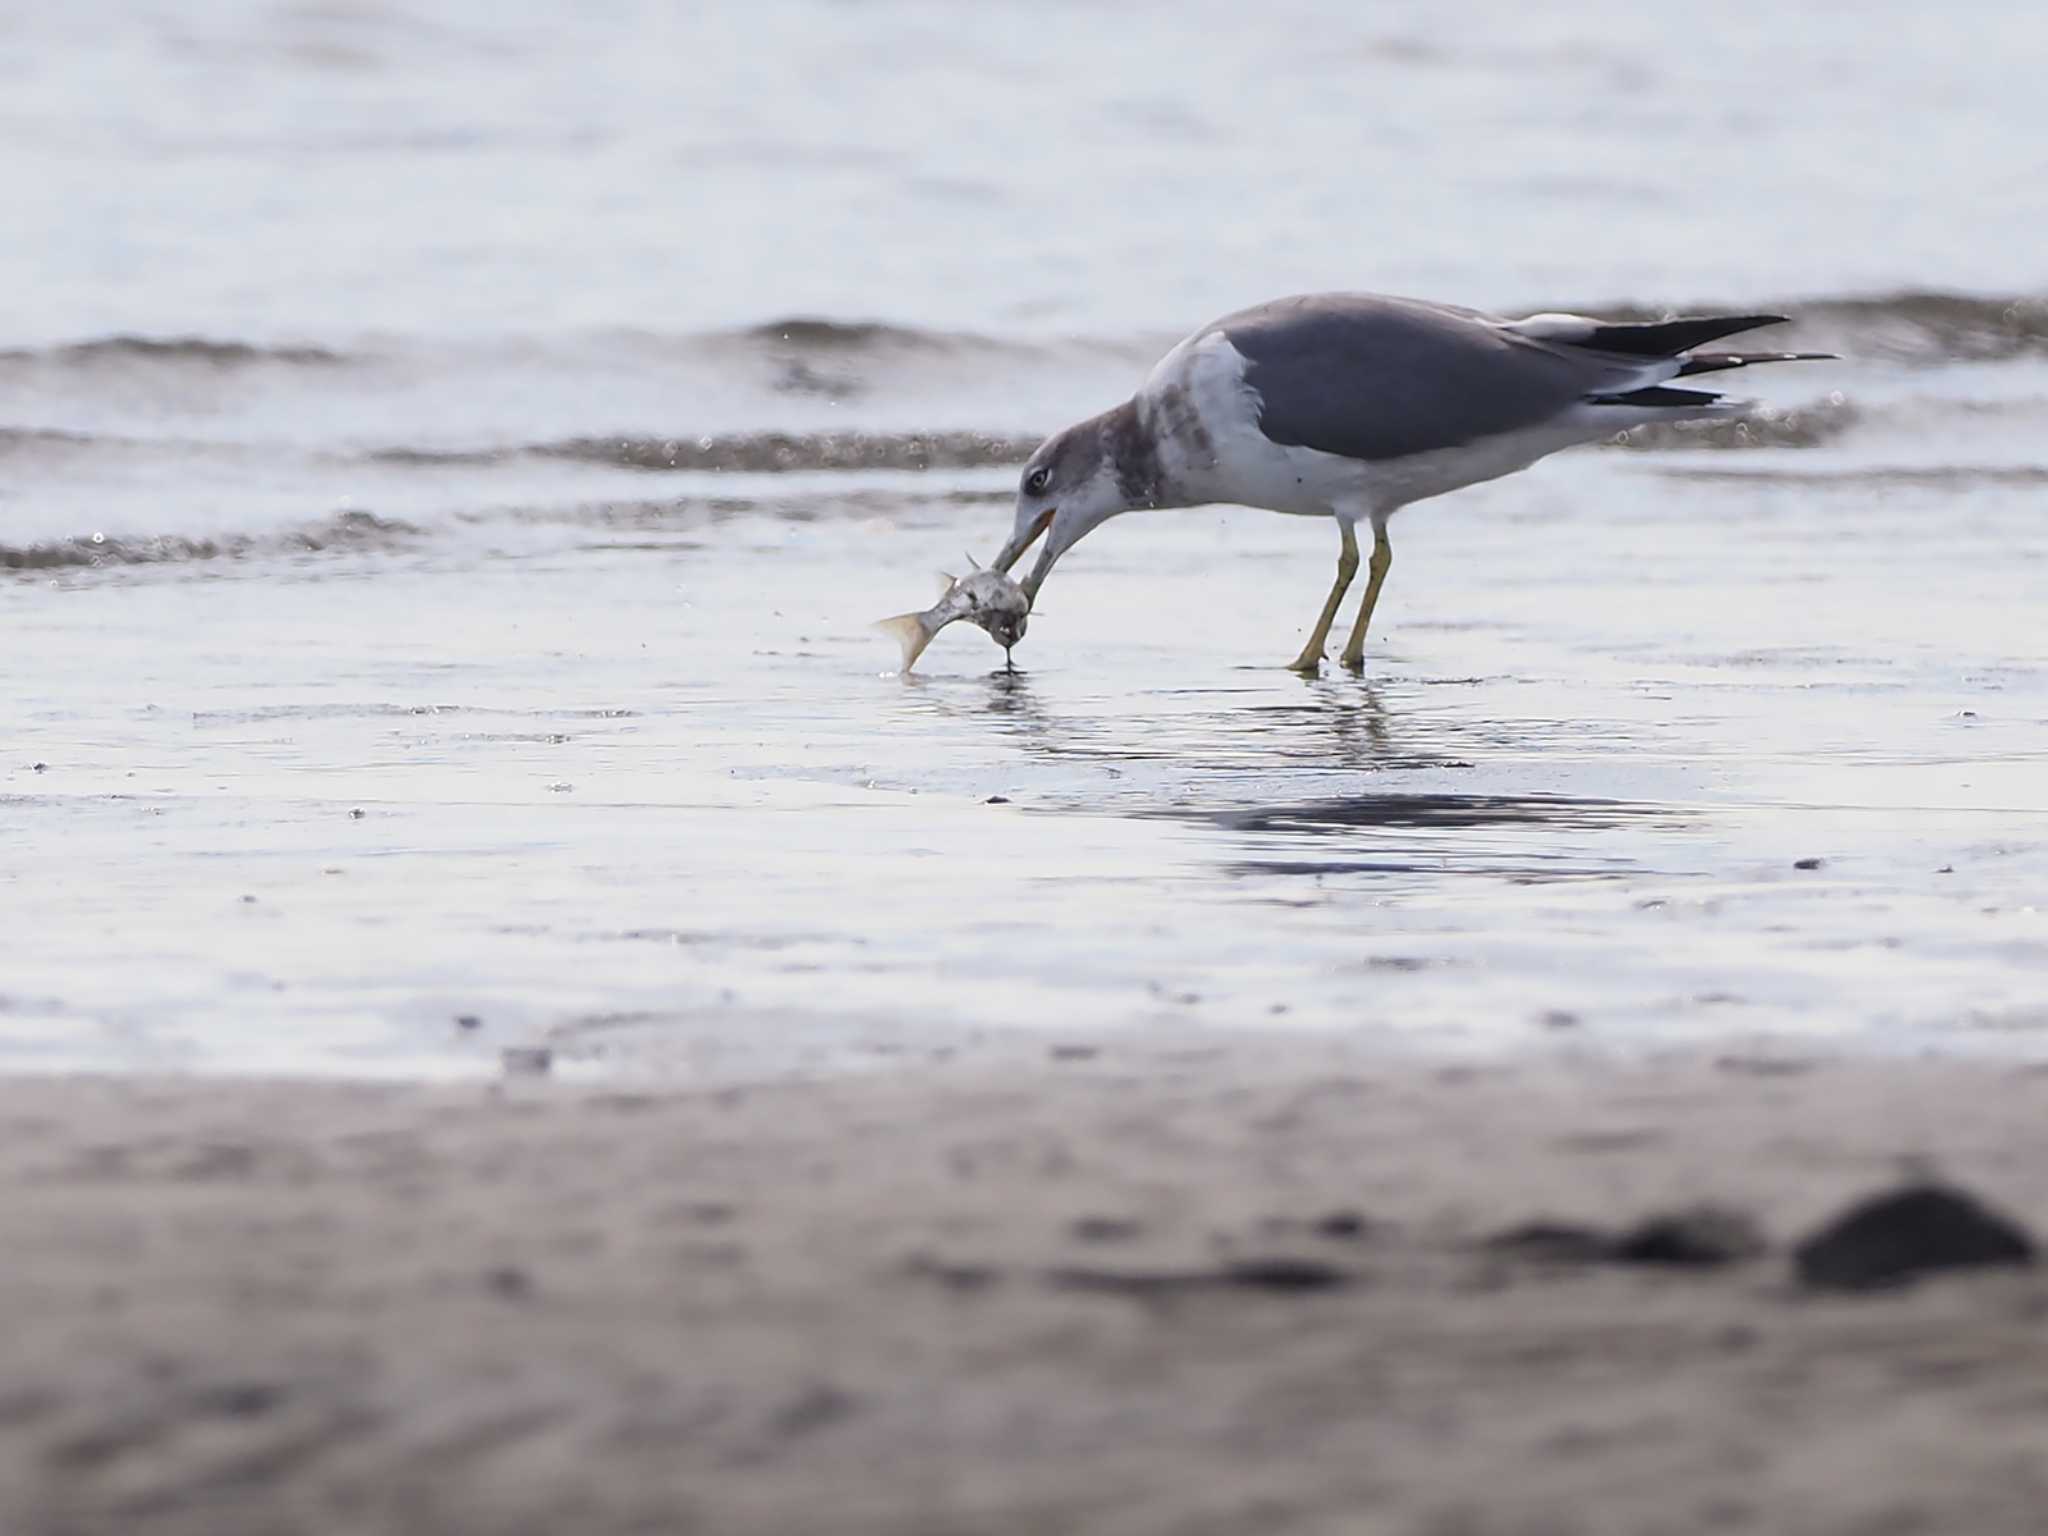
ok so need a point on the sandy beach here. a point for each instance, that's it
(1224, 1284)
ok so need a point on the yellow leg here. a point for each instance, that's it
(1376, 572)
(1311, 657)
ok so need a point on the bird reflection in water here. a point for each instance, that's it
(1333, 725)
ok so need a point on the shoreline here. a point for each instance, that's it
(1222, 1284)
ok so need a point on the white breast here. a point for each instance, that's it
(1205, 419)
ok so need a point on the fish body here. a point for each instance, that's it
(987, 598)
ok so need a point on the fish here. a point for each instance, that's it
(987, 598)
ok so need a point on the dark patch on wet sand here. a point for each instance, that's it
(1358, 817)
(1432, 811)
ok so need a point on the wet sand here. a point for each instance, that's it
(624, 795)
(1214, 1285)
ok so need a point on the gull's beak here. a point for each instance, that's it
(1020, 541)
(1040, 569)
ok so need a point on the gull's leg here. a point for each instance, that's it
(1311, 657)
(1376, 575)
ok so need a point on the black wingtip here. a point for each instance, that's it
(1669, 338)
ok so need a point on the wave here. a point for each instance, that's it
(817, 333)
(788, 451)
(691, 512)
(1931, 476)
(1912, 324)
(723, 452)
(1807, 426)
(749, 452)
(1815, 424)
(772, 340)
(343, 531)
(792, 452)
(1926, 325)
(200, 351)
(28, 439)
(1908, 325)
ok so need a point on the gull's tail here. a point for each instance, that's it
(1639, 361)
(1671, 341)
(1714, 362)
(912, 632)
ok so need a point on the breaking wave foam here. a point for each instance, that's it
(344, 530)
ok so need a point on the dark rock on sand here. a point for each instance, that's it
(1105, 1229)
(1342, 1225)
(1555, 1242)
(1258, 1274)
(813, 1409)
(1702, 1235)
(1698, 1236)
(1285, 1275)
(508, 1282)
(953, 1274)
(1890, 1238)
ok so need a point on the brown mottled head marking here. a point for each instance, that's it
(1175, 419)
(1070, 459)
(1078, 480)
(1133, 452)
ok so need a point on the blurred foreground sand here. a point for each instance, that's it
(1228, 1285)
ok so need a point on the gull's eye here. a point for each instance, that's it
(1036, 482)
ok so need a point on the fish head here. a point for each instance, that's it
(1007, 629)
(998, 605)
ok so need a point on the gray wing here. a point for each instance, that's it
(1377, 378)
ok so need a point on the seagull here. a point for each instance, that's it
(1351, 406)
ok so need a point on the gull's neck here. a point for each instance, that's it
(1130, 446)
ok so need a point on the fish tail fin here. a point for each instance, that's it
(911, 633)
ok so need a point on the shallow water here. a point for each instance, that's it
(449, 469)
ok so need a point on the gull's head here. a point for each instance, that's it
(1069, 487)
